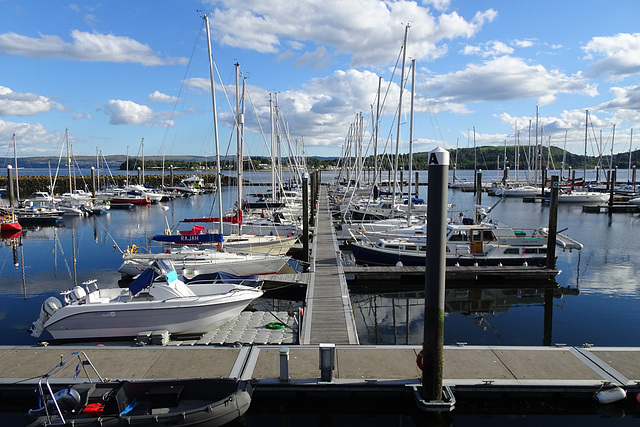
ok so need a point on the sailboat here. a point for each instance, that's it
(584, 195)
(236, 242)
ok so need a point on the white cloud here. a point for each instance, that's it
(24, 104)
(494, 48)
(31, 139)
(84, 47)
(507, 78)
(369, 30)
(161, 97)
(620, 55)
(129, 113)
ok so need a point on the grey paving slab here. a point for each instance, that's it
(477, 364)
(376, 363)
(303, 363)
(625, 361)
(200, 362)
(539, 364)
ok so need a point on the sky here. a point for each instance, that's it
(116, 73)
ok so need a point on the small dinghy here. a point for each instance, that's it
(211, 402)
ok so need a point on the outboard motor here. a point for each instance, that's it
(50, 306)
(67, 399)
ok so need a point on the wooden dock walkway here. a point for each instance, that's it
(328, 317)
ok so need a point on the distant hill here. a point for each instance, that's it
(488, 158)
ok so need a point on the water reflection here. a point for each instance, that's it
(397, 318)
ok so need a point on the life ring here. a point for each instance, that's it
(134, 249)
(419, 360)
(7, 218)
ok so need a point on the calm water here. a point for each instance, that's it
(597, 303)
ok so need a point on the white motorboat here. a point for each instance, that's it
(150, 303)
(583, 197)
(193, 261)
(517, 191)
(190, 185)
(635, 201)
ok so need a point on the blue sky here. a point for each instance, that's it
(114, 72)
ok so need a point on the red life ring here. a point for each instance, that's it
(419, 360)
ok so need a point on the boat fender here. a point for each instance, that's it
(609, 395)
(419, 360)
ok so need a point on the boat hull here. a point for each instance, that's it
(194, 315)
(211, 402)
(189, 265)
(365, 254)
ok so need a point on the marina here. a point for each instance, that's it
(283, 363)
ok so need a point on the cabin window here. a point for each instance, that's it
(476, 235)
(511, 251)
(458, 236)
(488, 235)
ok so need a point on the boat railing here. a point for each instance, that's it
(45, 382)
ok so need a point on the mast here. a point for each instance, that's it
(68, 162)
(126, 181)
(413, 91)
(395, 166)
(142, 178)
(375, 137)
(15, 159)
(630, 145)
(586, 129)
(273, 150)
(215, 125)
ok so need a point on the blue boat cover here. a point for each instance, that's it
(142, 281)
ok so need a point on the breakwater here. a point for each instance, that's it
(30, 184)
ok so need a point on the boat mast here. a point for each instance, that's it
(239, 136)
(15, 159)
(584, 168)
(375, 136)
(395, 166)
(68, 162)
(142, 177)
(273, 150)
(413, 91)
(215, 125)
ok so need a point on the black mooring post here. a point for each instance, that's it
(553, 223)
(93, 182)
(305, 217)
(612, 187)
(432, 347)
(12, 196)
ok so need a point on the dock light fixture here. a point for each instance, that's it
(327, 361)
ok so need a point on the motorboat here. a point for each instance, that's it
(578, 196)
(192, 261)
(517, 191)
(466, 245)
(97, 401)
(190, 186)
(9, 221)
(157, 300)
